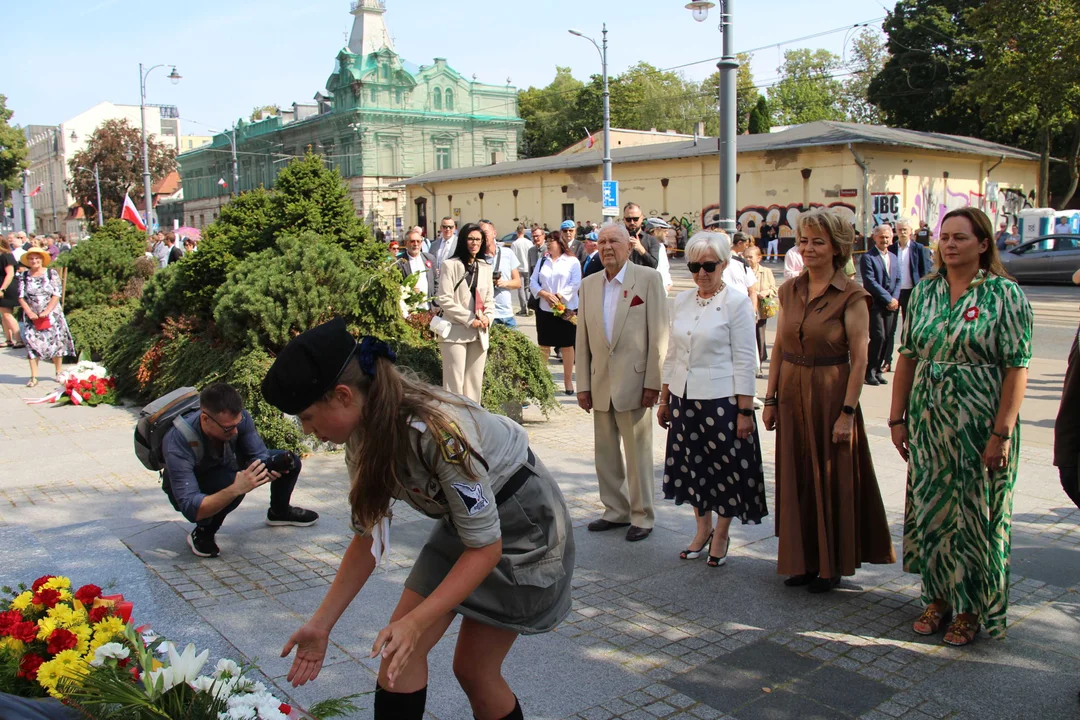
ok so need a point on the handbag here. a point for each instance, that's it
(42, 323)
(534, 301)
(768, 307)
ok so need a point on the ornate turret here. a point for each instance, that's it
(369, 29)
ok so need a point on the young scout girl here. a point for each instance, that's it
(501, 555)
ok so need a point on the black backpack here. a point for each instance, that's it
(157, 418)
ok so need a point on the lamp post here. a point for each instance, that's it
(729, 68)
(607, 98)
(175, 78)
(97, 184)
(231, 134)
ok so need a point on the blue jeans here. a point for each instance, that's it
(505, 322)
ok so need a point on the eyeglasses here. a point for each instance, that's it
(708, 267)
(632, 219)
(224, 428)
(447, 227)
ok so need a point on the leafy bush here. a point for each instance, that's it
(309, 197)
(92, 327)
(100, 268)
(246, 225)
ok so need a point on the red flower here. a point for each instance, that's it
(87, 594)
(135, 673)
(7, 619)
(48, 598)
(98, 614)
(25, 631)
(61, 640)
(93, 378)
(284, 708)
(29, 666)
(41, 581)
(971, 314)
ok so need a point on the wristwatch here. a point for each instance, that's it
(747, 412)
(847, 410)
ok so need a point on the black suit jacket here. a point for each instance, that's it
(918, 258)
(650, 260)
(592, 265)
(429, 261)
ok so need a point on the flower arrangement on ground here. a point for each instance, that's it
(87, 383)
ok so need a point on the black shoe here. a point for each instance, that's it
(202, 543)
(871, 380)
(881, 378)
(635, 533)
(822, 585)
(601, 525)
(298, 517)
(569, 392)
(800, 580)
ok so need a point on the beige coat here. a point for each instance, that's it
(617, 373)
(456, 302)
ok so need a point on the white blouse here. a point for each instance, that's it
(561, 277)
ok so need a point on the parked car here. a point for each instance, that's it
(1046, 259)
(508, 238)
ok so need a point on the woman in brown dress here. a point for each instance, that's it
(829, 514)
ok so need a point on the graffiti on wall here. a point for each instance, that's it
(932, 203)
(885, 207)
(784, 217)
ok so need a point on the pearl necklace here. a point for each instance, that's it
(704, 302)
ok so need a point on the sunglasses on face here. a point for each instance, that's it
(632, 219)
(447, 227)
(694, 267)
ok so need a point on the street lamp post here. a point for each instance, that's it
(231, 135)
(97, 184)
(607, 99)
(729, 69)
(175, 78)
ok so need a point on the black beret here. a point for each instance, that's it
(308, 366)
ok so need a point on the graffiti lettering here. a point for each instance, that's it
(784, 217)
(886, 208)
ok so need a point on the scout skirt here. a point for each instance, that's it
(528, 592)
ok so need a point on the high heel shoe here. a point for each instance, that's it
(714, 561)
(691, 554)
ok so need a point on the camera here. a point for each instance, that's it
(280, 463)
(496, 277)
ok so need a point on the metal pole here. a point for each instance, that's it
(145, 151)
(729, 68)
(607, 112)
(27, 209)
(97, 183)
(49, 164)
(235, 169)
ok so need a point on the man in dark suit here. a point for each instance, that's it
(881, 278)
(592, 263)
(573, 240)
(644, 249)
(416, 261)
(915, 262)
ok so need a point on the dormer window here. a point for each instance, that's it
(385, 71)
(449, 99)
(437, 99)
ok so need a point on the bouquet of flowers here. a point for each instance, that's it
(558, 309)
(87, 382)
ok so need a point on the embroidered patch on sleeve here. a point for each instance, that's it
(453, 450)
(472, 495)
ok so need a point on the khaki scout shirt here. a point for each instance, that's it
(468, 504)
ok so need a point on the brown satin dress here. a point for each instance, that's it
(829, 514)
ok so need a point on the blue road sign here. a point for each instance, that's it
(611, 198)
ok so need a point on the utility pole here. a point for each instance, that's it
(175, 78)
(28, 211)
(607, 97)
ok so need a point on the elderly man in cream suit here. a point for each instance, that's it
(622, 338)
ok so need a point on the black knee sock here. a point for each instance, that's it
(400, 706)
(515, 714)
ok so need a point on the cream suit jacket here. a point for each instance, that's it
(617, 373)
(455, 299)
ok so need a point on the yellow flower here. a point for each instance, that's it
(10, 644)
(49, 673)
(62, 614)
(66, 596)
(109, 627)
(22, 601)
(46, 625)
(57, 583)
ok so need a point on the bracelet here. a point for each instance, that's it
(1004, 437)
(769, 402)
(901, 421)
(659, 404)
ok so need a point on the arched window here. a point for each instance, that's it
(449, 99)
(437, 100)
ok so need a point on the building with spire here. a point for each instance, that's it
(379, 119)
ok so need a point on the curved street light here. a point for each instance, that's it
(174, 77)
(607, 97)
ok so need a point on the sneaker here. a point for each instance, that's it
(202, 543)
(297, 517)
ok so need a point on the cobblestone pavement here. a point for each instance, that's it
(649, 636)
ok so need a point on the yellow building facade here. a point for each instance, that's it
(870, 174)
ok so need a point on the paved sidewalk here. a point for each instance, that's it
(650, 636)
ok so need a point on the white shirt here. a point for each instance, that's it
(793, 263)
(612, 288)
(738, 276)
(561, 277)
(664, 267)
(521, 246)
(903, 255)
(887, 259)
(418, 266)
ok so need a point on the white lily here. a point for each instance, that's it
(183, 668)
(109, 650)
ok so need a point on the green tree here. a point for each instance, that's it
(550, 114)
(760, 117)
(1030, 79)
(100, 268)
(12, 149)
(746, 94)
(116, 148)
(807, 91)
(264, 109)
(868, 55)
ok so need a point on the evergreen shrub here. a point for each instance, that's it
(100, 268)
(92, 327)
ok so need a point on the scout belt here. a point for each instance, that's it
(517, 480)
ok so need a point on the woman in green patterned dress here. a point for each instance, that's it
(956, 400)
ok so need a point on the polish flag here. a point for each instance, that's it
(222, 183)
(36, 191)
(131, 213)
(592, 140)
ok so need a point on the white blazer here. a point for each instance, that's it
(712, 352)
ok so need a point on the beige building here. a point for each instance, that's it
(190, 142)
(621, 138)
(872, 174)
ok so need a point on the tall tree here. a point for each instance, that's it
(12, 149)
(746, 96)
(116, 148)
(807, 91)
(1031, 75)
(264, 109)
(760, 117)
(933, 53)
(867, 57)
(550, 115)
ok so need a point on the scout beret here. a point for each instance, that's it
(308, 366)
(567, 224)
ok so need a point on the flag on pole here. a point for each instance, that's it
(36, 190)
(131, 213)
(592, 140)
(222, 183)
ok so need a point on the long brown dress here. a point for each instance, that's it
(829, 514)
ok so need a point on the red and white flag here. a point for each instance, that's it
(131, 213)
(223, 184)
(592, 140)
(36, 191)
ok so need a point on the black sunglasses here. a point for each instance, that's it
(709, 267)
(632, 219)
(447, 227)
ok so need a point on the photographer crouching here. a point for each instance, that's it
(203, 453)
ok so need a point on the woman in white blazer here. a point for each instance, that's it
(707, 403)
(467, 301)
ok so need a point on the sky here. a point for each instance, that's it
(60, 57)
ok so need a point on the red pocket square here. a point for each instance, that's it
(636, 301)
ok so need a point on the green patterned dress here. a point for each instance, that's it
(958, 516)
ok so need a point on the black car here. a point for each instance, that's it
(1047, 259)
